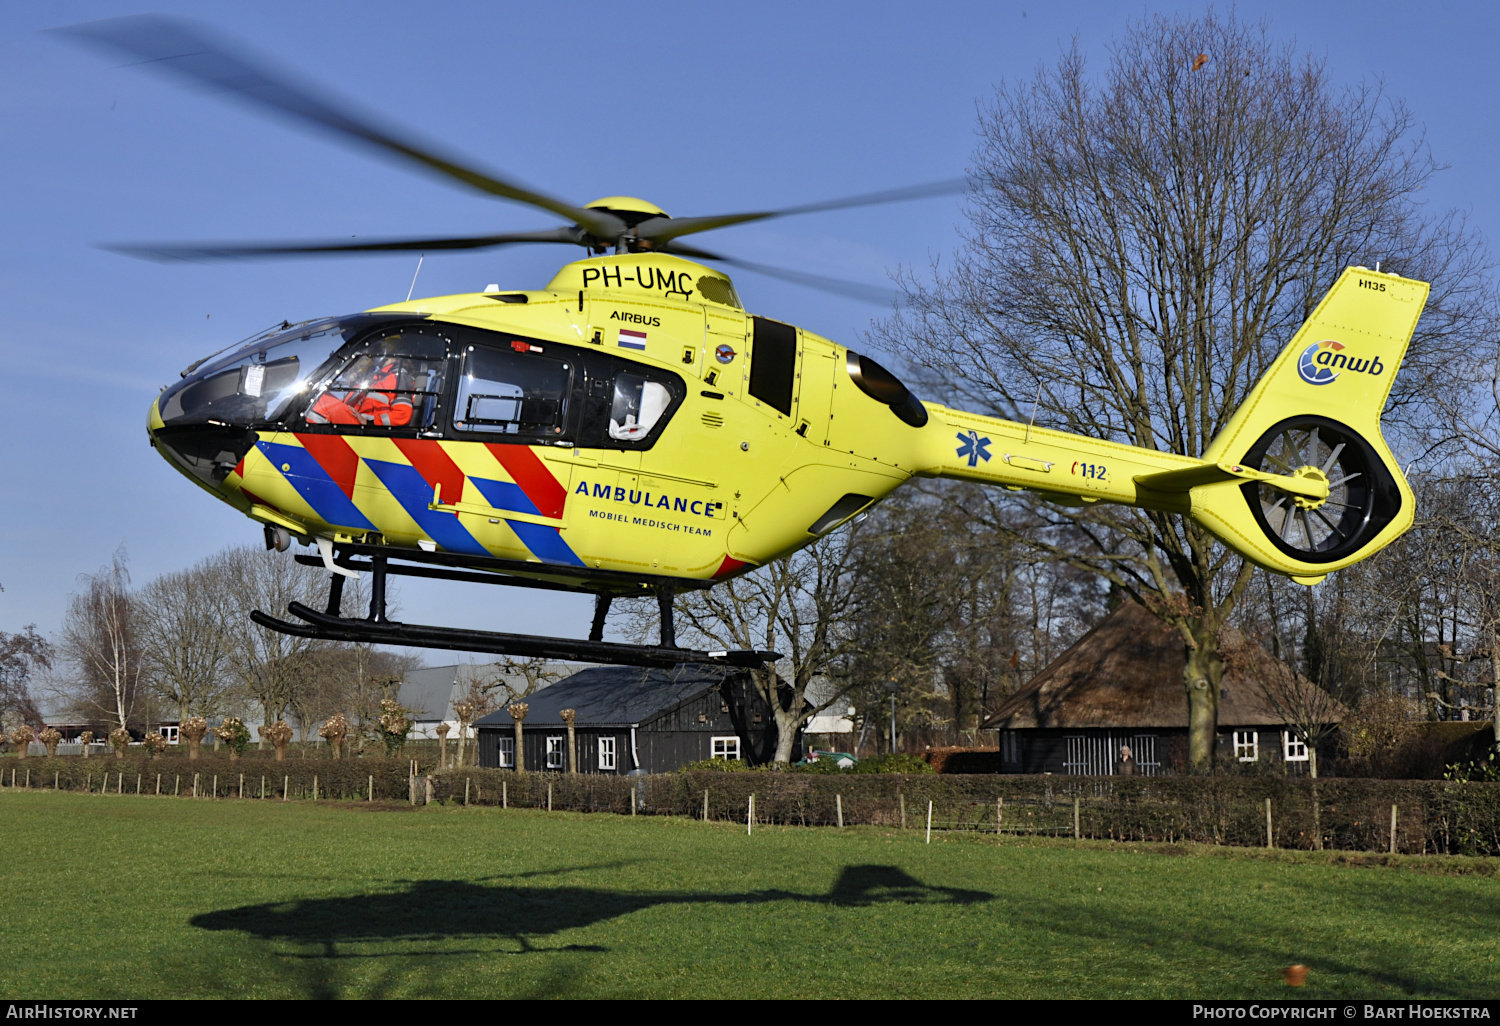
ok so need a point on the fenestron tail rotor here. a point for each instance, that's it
(194, 55)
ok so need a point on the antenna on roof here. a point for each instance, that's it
(414, 277)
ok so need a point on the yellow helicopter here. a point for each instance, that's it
(629, 429)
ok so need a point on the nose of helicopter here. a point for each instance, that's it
(205, 453)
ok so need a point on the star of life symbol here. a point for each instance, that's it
(974, 447)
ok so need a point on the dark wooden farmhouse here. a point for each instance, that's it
(1121, 685)
(629, 718)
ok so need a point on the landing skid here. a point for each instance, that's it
(338, 628)
(377, 629)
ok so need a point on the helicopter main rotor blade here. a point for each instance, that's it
(250, 251)
(662, 229)
(838, 286)
(181, 48)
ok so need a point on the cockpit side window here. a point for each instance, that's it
(513, 391)
(394, 380)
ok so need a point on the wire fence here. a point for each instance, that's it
(1403, 816)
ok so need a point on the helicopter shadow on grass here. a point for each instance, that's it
(426, 911)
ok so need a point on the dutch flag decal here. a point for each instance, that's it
(632, 339)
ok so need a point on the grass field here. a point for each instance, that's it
(153, 897)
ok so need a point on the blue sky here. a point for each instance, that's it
(700, 108)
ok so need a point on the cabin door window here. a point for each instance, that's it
(514, 391)
(507, 753)
(554, 753)
(726, 748)
(606, 753)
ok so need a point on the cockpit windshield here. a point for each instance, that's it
(257, 382)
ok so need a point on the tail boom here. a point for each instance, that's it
(1300, 481)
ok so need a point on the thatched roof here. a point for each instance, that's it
(1127, 673)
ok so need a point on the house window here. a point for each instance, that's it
(727, 748)
(170, 733)
(1293, 748)
(507, 753)
(606, 753)
(1247, 746)
(554, 753)
(1010, 746)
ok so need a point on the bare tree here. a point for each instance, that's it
(801, 606)
(186, 633)
(269, 667)
(1143, 242)
(22, 654)
(99, 642)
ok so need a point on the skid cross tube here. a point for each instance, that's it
(386, 632)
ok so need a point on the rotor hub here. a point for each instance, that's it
(1310, 473)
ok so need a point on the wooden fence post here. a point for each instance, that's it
(999, 814)
(1077, 833)
(158, 783)
(901, 798)
(372, 788)
(1393, 829)
(177, 786)
(286, 788)
(242, 785)
(262, 787)
(1270, 835)
(750, 814)
(929, 821)
(549, 796)
(705, 805)
(138, 783)
(315, 787)
(466, 791)
(195, 785)
(504, 795)
(120, 783)
(216, 785)
(88, 785)
(838, 801)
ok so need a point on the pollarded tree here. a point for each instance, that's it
(1143, 241)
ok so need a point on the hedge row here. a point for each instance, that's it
(1352, 814)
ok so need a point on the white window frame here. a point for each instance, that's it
(722, 744)
(507, 750)
(1247, 750)
(170, 733)
(555, 752)
(1293, 748)
(607, 753)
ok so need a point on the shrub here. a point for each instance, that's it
(50, 737)
(897, 762)
(155, 744)
(22, 738)
(119, 740)
(718, 766)
(86, 739)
